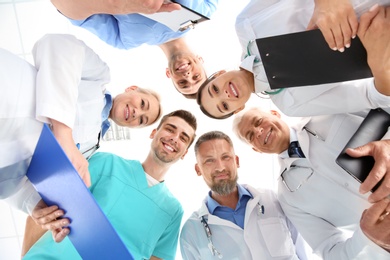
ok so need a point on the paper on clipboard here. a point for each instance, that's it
(58, 183)
(178, 20)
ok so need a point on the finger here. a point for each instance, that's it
(347, 33)
(87, 178)
(364, 150)
(338, 38)
(312, 24)
(354, 24)
(366, 19)
(328, 35)
(375, 175)
(41, 212)
(59, 235)
(383, 190)
(169, 7)
(56, 224)
(372, 214)
(49, 218)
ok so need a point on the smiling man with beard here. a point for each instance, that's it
(235, 221)
(134, 196)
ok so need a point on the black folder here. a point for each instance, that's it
(305, 59)
(373, 128)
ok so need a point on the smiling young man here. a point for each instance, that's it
(185, 68)
(336, 215)
(134, 196)
(226, 93)
(235, 221)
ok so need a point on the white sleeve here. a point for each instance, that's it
(188, 246)
(63, 62)
(328, 241)
(343, 97)
(25, 198)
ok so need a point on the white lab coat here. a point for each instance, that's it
(67, 84)
(19, 130)
(265, 236)
(327, 208)
(71, 86)
(269, 18)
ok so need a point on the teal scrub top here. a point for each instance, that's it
(146, 218)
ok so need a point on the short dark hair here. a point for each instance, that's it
(199, 97)
(212, 135)
(183, 114)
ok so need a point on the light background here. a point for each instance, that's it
(23, 22)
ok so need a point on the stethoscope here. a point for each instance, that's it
(207, 230)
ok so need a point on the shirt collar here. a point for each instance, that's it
(293, 137)
(106, 112)
(212, 204)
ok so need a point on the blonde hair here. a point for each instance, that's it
(154, 94)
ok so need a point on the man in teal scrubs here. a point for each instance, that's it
(134, 196)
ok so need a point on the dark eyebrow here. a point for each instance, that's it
(175, 127)
(219, 109)
(147, 104)
(253, 121)
(208, 90)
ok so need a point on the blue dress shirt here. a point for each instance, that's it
(237, 216)
(132, 30)
(106, 113)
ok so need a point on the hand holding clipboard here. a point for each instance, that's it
(373, 128)
(178, 20)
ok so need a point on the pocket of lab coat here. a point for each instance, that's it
(277, 237)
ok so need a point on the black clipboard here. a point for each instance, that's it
(178, 20)
(305, 59)
(373, 128)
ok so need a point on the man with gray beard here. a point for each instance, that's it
(235, 221)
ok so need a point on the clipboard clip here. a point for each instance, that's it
(189, 24)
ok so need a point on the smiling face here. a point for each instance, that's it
(217, 163)
(172, 139)
(227, 93)
(266, 132)
(187, 72)
(134, 108)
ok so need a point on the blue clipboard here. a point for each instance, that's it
(58, 183)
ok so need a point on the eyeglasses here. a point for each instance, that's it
(306, 173)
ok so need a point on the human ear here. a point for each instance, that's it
(131, 88)
(200, 58)
(254, 149)
(275, 113)
(239, 109)
(182, 157)
(168, 73)
(197, 169)
(153, 133)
